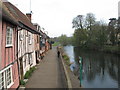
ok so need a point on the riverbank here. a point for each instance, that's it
(105, 48)
(111, 49)
(100, 70)
(73, 80)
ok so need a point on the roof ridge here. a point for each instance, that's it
(20, 16)
(5, 13)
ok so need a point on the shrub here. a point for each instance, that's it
(22, 82)
(66, 58)
(32, 69)
(28, 73)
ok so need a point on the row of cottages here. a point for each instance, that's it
(43, 46)
(22, 45)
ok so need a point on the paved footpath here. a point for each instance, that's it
(49, 73)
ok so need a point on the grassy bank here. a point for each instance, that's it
(72, 79)
(111, 49)
(105, 48)
(64, 56)
(56, 44)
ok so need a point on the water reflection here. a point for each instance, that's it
(100, 70)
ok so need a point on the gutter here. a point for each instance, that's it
(23, 26)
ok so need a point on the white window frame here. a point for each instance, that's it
(30, 39)
(30, 58)
(2, 81)
(11, 36)
(25, 61)
(26, 33)
(20, 36)
(43, 41)
(8, 86)
(5, 76)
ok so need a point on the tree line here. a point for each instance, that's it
(90, 33)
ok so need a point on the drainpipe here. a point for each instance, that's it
(18, 28)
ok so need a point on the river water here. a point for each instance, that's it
(100, 70)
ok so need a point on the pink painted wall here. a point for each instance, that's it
(9, 53)
(0, 44)
(15, 76)
(47, 46)
(37, 44)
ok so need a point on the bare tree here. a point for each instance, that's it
(78, 22)
(90, 21)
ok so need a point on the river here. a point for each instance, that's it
(100, 70)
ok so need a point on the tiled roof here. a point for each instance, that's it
(18, 15)
(4, 14)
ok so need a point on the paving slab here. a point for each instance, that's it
(49, 73)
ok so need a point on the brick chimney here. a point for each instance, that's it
(29, 15)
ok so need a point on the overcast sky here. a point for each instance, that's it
(56, 15)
